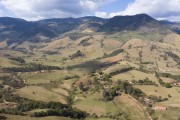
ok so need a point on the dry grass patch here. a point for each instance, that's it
(44, 77)
(39, 94)
(130, 106)
(91, 104)
(174, 92)
(57, 44)
(116, 67)
(16, 117)
(4, 62)
(135, 75)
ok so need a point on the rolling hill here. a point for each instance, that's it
(125, 67)
(18, 30)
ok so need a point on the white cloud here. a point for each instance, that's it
(41, 9)
(166, 9)
(4, 11)
(102, 14)
(94, 4)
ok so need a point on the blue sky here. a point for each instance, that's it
(118, 5)
(44, 9)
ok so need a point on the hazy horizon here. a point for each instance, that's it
(33, 10)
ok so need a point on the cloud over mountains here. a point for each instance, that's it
(42, 9)
(160, 9)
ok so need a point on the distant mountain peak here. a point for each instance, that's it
(18, 30)
(132, 23)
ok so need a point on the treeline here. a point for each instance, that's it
(31, 105)
(169, 75)
(31, 68)
(18, 59)
(121, 71)
(67, 77)
(3, 118)
(85, 42)
(129, 89)
(173, 56)
(12, 81)
(76, 55)
(66, 112)
(158, 98)
(114, 53)
(106, 64)
(110, 93)
(167, 85)
(146, 81)
(55, 108)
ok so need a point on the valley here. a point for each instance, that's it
(90, 68)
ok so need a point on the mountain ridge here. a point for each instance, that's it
(18, 30)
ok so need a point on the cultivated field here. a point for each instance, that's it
(39, 94)
(174, 92)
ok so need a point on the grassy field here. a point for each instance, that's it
(124, 103)
(135, 75)
(99, 119)
(91, 104)
(33, 111)
(52, 86)
(115, 68)
(163, 92)
(131, 107)
(45, 77)
(16, 117)
(39, 94)
(4, 62)
(11, 52)
(169, 114)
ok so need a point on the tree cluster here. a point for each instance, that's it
(31, 68)
(67, 112)
(18, 59)
(54, 108)
(146, 81)
(120, 71)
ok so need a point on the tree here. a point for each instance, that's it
(167, 85)
(69, 100)
(81, 86)
(169, 96)
(106, 96)
(3, 118)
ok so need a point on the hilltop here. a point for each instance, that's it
(19, 30)
(125, 67)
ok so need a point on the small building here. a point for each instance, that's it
(130, 82)
(148, 102)
(106, 87)
(175, 84)
(160, 108)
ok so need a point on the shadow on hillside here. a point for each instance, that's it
(92, 66)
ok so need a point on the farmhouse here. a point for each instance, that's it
(148, 101)
(160, 108)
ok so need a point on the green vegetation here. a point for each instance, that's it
(18, 59)
(146, 81)
(57, 109)
(31, 67)
(84, 74)
(167, 85)
(114, 53)
(76, 55)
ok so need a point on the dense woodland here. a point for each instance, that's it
(31, 68)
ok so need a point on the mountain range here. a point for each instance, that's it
(19, 30)
(125, 67)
